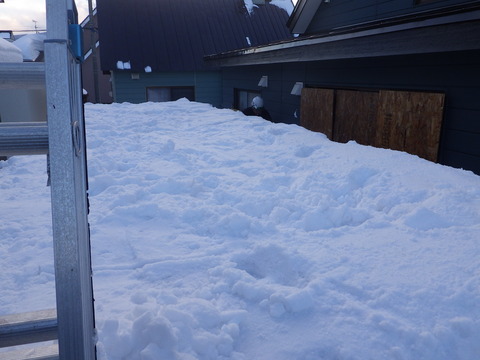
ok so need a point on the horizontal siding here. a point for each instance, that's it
(245, 78)
(277, 98)
(208, 88)
(467, 120)
(461, 160)
(207, 85)
(455, 75)
(465, 142)
(339, 13)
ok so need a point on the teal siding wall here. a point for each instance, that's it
(208, 88)
(207, 85)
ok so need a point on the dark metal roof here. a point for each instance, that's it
(445, 30)
(175, 35)
(302, 15)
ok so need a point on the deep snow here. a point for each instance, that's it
(220, 236)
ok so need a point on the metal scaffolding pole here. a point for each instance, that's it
(68, 172)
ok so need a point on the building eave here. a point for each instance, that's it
(302, 15)
(454, 31)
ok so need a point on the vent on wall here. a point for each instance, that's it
(263, 81)
(297, 88)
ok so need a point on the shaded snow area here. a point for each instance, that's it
(221, 236)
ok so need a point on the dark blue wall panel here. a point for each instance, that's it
(339, 13)
(455, 74)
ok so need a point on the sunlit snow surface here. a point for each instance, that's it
(220, 236)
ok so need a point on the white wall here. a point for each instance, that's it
(19, 105)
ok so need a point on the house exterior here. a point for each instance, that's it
(23, 104)
(96, 85)
(399, 74)
(154, 49)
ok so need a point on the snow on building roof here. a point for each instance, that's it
(175, 35)
(9, 52)
(31, 46)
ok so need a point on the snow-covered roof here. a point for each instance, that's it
(9, 52)
(31, 46)
(175, 35)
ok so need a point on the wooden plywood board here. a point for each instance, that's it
(316, 111)
(410, 121)
(355, 116)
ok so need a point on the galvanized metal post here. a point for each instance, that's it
(67, 151)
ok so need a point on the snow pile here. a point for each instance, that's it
(249, 5)
(287, 5)
(31, 46)
(220, 236)
(123, 65)
(26, 48)
(9, 52)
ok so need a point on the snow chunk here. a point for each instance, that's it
(249, 5)
(123, 65)
(425, 219)
(286, 5)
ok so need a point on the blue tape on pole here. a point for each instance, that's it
(75, 33)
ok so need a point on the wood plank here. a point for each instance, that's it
(26, 328)
(410, 121)
(355, 116)
(316, 110)
(37, 353)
